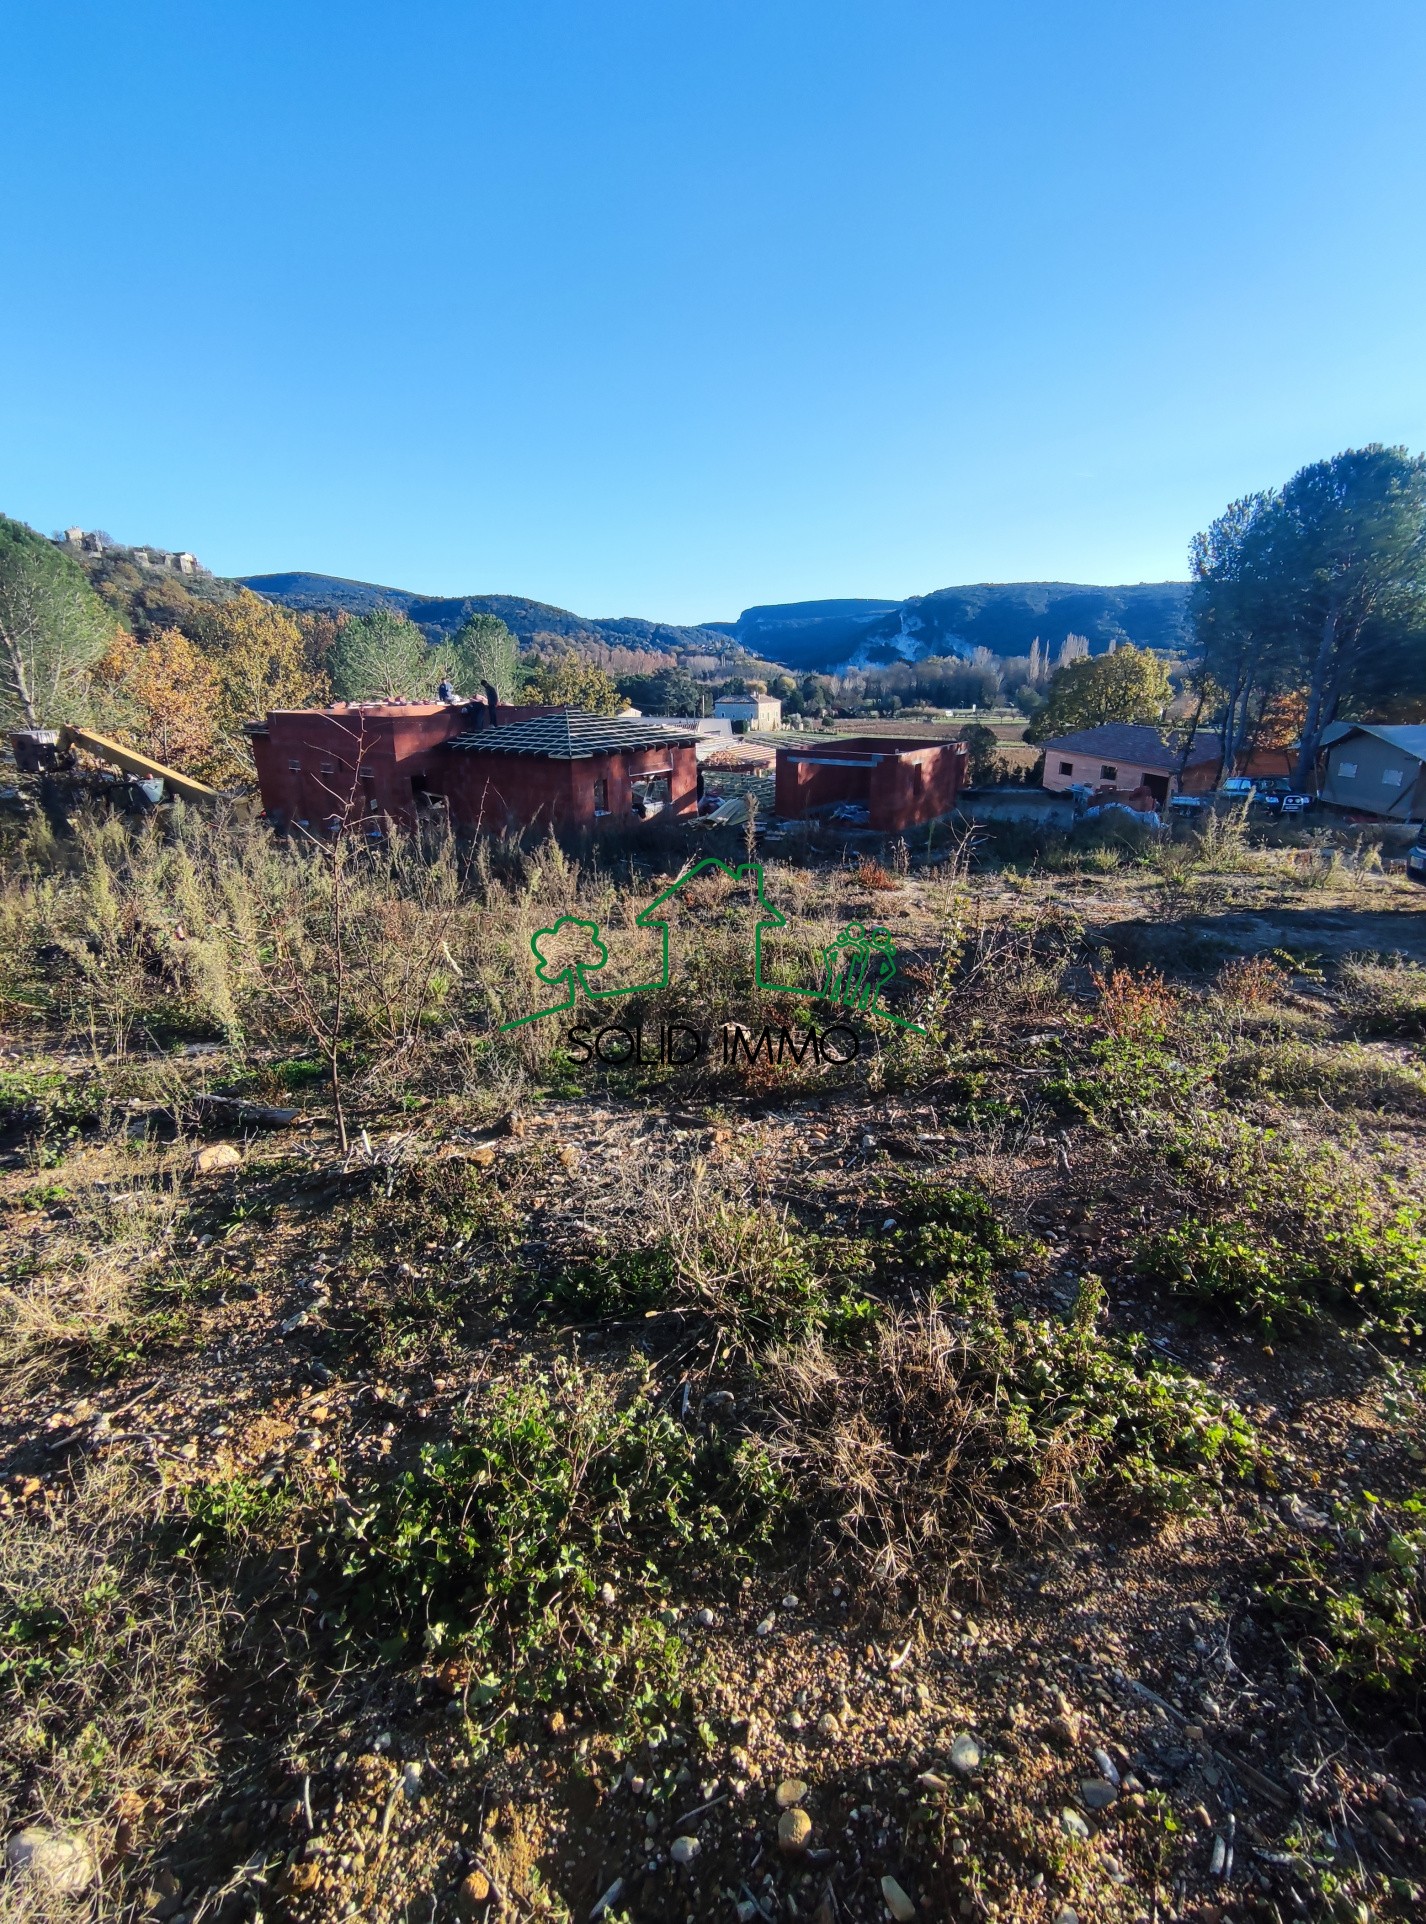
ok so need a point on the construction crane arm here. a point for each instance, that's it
(133, 763)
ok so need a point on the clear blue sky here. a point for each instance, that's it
(661, 308)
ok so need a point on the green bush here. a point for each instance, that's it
(498, 1541)
(1354, 1599)
(612, 1283)
(1283, 1233)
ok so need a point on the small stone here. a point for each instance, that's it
(794, 1831)
(705, 1619)
(411, 1782)
(1067, 1914)
(300, 1879)
(790, 1791)
(1108, 1769)
(217, 1155)
(1073, 1824)
(789, 1602)
(1193, 1733)
(472, 1892)
(554, 1723)
(965, 1754)
(452, 1676)
(683, 1850)
(1065, 1729)
(933, 1781)
(1095, 1794)
(767, 1626)
(53, 1860)
(827, 1725)
(606, 1593)
(1389, 1828)
(896, 1901)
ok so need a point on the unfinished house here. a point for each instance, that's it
(886, 782)
(487, 768)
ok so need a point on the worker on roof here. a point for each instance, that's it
(445, 692)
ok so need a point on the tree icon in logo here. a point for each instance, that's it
(855, 968)
(566, 955)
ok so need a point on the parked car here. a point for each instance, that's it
(1416, 861)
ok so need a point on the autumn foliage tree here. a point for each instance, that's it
(1129, 685)
(166, 695)
(569, 681)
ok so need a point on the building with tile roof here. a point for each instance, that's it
(498, 769)
(1122, 757)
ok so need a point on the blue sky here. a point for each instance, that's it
(648, 307)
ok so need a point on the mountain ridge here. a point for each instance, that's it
(806, 636)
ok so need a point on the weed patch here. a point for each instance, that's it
(1353, 1600)
(1280, 1233)
(498, 1543)
(957, 1433)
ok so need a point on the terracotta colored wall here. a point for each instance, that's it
(348, 759)
(803, 786)
(499, 792)
(899, 785)
(917, 787)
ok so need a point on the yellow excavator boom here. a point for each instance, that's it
(133, 763)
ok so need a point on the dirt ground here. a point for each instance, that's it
(1102, 1717)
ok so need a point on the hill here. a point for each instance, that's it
(530, 621)
(1004, 617)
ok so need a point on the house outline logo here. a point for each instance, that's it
(856, 966)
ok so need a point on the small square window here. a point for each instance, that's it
(1066, 768)
(329, 768)
(294, 768)
(1346, 770)
(1391, 778)
(1108, 774)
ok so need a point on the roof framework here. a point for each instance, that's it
(572, 736)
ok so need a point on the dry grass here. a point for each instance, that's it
(106, 1653)
(79, 1282)
(918, 1454)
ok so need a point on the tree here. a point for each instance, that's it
(486, 651)
(1317, 591)
(1130, 685)
(569, 681)
(384, 657)
(53, 631)
(671, 691)
(1243, 655)
(168, 696)
(258, 651)
(1351, 572)
(982, 752)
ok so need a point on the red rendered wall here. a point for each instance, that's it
(356, 763)
(501, 792)
(900, 785)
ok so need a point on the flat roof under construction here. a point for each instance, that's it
(572, 736)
